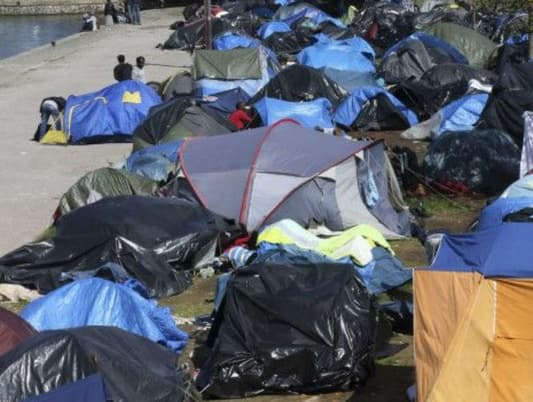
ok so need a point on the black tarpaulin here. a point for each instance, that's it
(505, 110)
(133, 368)
(301, 83)
(287, 328)
(484, 161)
(156, 240)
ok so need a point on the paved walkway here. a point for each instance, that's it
(33, 177)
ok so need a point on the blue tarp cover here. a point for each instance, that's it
(502, 251)
(339, 56)
(89, 389)
(96, 301)
(109, 112)
(350, 108)
(429, 41)
(462, 114)
(232, 40)
(313, 14)
(268, 28)
(493, 214)
(309, 114)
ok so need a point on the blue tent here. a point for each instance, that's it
(222, 104)
(349, 109)
(493, 214)
(89, 389)
(309, 114)
(503, 251)
(429, 41)
(154, 162)
(338, 56)
(350, 80)
(96, 301)
(110, 114)
(231, 40)
(356, 43)
(520, 188)
(268, 28)
(462, 114)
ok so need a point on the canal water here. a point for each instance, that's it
(21, 33)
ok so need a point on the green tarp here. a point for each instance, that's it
(235, 64)
(104, 182)
(472, 44)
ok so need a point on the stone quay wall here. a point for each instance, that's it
(49, 7)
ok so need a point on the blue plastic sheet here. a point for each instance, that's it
(350, 108)
(462, 114)
(309, 114)
(493, 214)
(89, 389)
(154, 161)
(96, 301)
(338, 56)
(232, 40)
(268, 28)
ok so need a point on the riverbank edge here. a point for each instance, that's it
(50, 9)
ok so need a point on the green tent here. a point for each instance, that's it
(472, 44)
(234, 64)
(101, 183)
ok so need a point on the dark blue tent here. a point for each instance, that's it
(89, 389)
(222, 104)
(503, 251)
(104, 303)
(111, 114)
(494, 214)
(154, 162)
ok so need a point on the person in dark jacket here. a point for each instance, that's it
(51, 107)
(109, 13)
(122, 70)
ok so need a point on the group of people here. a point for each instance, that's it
(125, 71)
(132, 8)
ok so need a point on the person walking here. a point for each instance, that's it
(122, 70)
(109, 12)
(136, 12)
(138, 70)
(51, 107)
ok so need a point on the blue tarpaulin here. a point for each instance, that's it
(232, 40)
(493, 214)
(356, 43)
(429, 41)
(268, 28)
(350, 108)
(89, 389)
(338, 56)
(350, 80)
(96, 301)
(462, 114)
(501, 251)
(113, 111)
(154, 162)
(309, 114)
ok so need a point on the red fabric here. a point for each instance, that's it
(372, 32)
(239, 118)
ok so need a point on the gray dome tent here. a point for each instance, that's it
(288, 171)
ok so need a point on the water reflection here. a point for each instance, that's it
(19, 34)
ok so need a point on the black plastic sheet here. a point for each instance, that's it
(133, 368)
(290, 328)
(156, 241)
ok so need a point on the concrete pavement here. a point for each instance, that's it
(33, 177)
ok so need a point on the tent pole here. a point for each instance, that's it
(208, 32)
